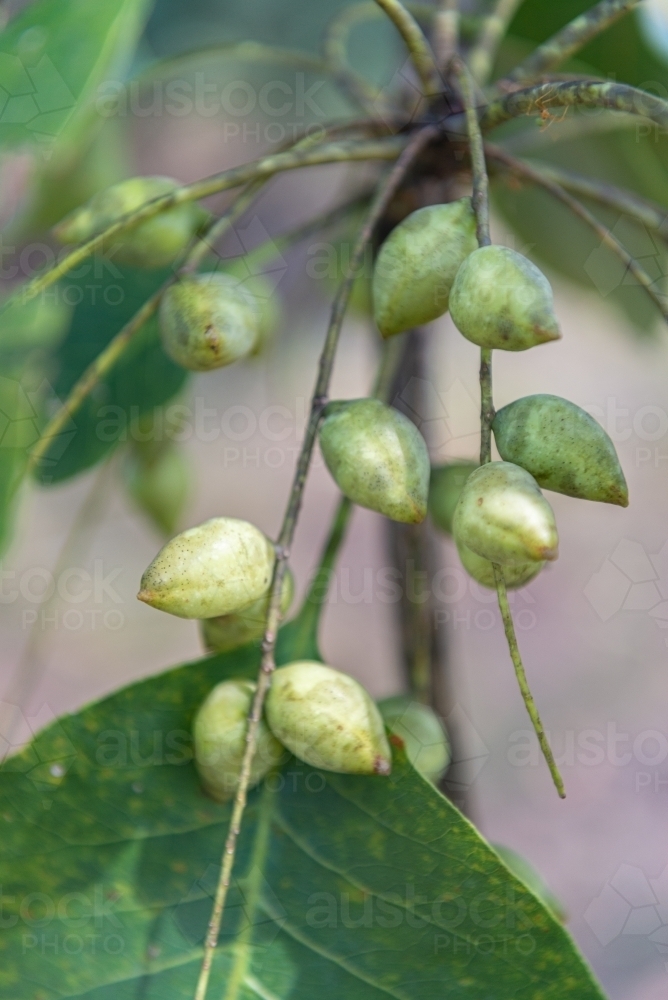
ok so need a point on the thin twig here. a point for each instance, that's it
(584, 93)
(570, 39)
(335, 152)
(326, 364)
(481, 208)
(530, 704)
(354, 86)
(417, 45)
(643, 211)
(483, 54)
(480, 182)
(522, 169)
(446, 32)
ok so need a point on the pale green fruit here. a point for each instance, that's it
(502, 516)
(562, 447)
(445, 485)
(417, 264)
(217, 568)
(154, 243)
(263, 295)
(208, 321)
(501, 300)
(327, 719)
(377, 457)
(482, 570)
(423, 733)
(220, 740)
(160, 486)
(230, 631)
(526, 873)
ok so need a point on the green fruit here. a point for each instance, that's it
(208, 321)
(217, 568)
(377, 457)
(526, 873)
(220, 740)
(230, 631)
(445, 485)
(562, 447)
(417, 264)
(160, 486)
(501, 300)
(502, 516)
(482, 570)
(423, 733)
(154, 243)
(327, 719)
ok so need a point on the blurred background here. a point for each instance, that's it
(592, 627)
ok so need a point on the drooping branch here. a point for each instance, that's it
(581, 93)
(335, 152)
(522, 169)
(319, 398)
(417, 45)
(570, 39)
(483, 53)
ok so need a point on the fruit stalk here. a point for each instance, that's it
(379, 205)
(481, 208)
(520, 673)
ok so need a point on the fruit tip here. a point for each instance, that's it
(146, 596)
(382, 766)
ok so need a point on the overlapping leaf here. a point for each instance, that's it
(345, 886)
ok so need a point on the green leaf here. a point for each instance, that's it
(106, 297)
(344, 886)
(53, 56)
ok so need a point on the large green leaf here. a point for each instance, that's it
(355, 887)
(144, 377)
(53, 56)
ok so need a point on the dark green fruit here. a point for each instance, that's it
(562, 447)
(423, 733)
(417, 264)
(377, 457)
(208, 321)
(502, 516)
(220, 740)
(152, 244)
(160, 486)
(501, 300)
(445, 485)
(327, 719)
(229, 631)
(217, 568)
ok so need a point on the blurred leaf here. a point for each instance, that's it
(107, 296)
(344, 886)
(53, 56)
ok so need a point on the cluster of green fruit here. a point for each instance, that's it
(498, 300)
(220, 572)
